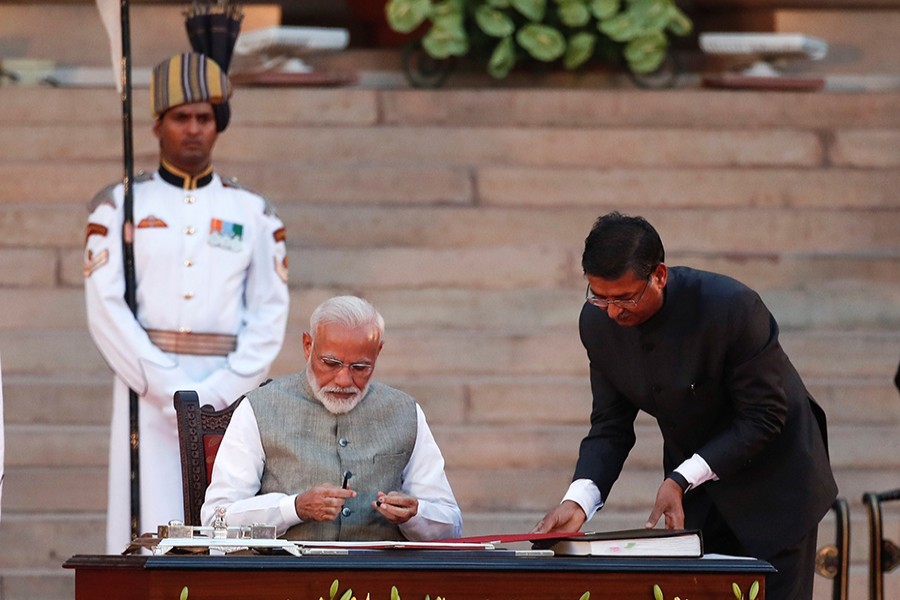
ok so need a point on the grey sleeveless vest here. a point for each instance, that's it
(306, 445)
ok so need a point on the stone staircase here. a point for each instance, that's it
(461, 214)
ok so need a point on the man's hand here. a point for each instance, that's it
(565, 518)
(668, 503)
(322, 503)
(396, 507)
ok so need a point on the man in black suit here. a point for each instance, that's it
(744, 444)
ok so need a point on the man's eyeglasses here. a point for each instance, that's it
(334, 365)
(604, 303)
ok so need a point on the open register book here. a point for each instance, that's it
(628, 542)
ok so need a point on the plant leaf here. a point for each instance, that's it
(646, 53)
(334, 589)
(498, 3)
(532, 9)
(347, 595)
(184, 593)
(736, 591)
(405, 15)
(579, 49)
(494, 22)
(446, 38)
(621, 28)
(585, 596)
(541, 41)
(573, 13)
(448, 8)
(679, 23)
(395, 595)
(604, 9)
(652, 15)
(754, 590)
(649, 43)
(503, 59)
(657, 592)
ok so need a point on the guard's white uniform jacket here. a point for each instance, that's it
(210, 258)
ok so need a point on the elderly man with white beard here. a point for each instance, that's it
(330, 454)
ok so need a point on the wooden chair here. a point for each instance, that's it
(200, 431)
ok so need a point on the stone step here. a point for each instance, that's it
(32, 542)
(526, 467)
(833, 304)
(446, 400)
(69, 446)
(57, 400)
(57, 490)
(432, 204)
(826, 240)
(574, 147)
(737, 230)
(472, 444)
(538, 147)
(832, 354)
(790, 233)
(432, 272)
(423, 352)
(641, 109)
(83, 533)
(549, 107)
(37, 584)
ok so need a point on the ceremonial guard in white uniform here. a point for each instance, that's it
(212, 295)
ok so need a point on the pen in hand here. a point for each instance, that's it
(347, 476)
(383, 501)
(396, 507)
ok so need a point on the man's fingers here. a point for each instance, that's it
(540, 527)
(395, 507)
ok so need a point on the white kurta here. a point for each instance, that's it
(238, 472)
(207, 260)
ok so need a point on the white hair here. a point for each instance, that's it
(349, 311)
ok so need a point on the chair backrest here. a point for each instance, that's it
(200, 431)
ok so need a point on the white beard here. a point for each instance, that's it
(334, 404)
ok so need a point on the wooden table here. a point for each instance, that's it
(453, 575)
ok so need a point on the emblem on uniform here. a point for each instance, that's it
(93, 262)
(150, 222)
(223, 234)
(94, 229)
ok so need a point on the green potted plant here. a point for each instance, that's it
(569, 32)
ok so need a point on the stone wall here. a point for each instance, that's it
(461, 214)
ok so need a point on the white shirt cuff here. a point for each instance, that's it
(288, 510)
(585, 494)
(696, 471)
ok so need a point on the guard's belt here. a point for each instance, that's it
(204, 344)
